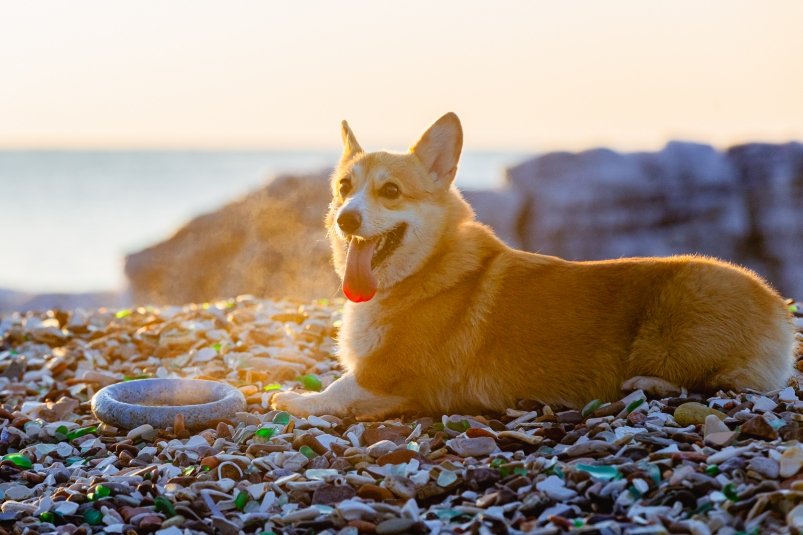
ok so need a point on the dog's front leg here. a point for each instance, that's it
(343, 397)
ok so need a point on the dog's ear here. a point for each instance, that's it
(439, 148)
(350, 146)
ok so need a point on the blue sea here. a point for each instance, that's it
(67, 218)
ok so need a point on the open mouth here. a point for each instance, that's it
(362, 257)
(387, 243)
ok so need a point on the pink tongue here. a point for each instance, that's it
(359, 284)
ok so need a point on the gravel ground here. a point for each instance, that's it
(727, 464)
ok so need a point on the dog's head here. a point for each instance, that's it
(389, 211)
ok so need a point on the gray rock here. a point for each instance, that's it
(603, 204)
(765, 466)
(501, 209)
(772, 180)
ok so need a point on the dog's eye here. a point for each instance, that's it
(345, 187)
(390, 190)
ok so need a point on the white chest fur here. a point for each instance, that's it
(361, 333)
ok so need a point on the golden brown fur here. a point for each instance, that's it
(463, 323)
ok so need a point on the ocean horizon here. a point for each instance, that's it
(69, 217)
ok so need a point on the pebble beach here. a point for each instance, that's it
(728, 464)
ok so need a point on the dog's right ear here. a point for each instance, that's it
(439, 148)
(350, 146)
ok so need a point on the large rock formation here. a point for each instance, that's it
(742, 205)
(603, 204)
(270, 243)
(771, 178)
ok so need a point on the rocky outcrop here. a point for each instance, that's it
(270, 243)
(771, 177)
(502, 209)
(742, 205)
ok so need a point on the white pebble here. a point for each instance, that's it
(145, 431)
(554, 487)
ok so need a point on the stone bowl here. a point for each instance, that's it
(157, 402)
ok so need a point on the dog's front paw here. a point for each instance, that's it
(294, 403)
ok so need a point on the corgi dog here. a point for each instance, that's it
(443, 317)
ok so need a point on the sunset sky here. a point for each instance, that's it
(522, 75)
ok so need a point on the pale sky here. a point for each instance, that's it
(521, 75)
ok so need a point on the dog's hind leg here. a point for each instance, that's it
(654, 386)
(343, 397)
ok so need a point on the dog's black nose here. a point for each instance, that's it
(349, 221)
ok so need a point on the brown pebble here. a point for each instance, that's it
(396, 434)
(758, 426)
(328, 494)
(370, 491)
(210, 462)
(569, 417)
(222, 430)
(396, 457)
(363, 526)
(312, 442)
(476, 432)
(127, 512)
(33, 477)
(609, 410)
(150, 522)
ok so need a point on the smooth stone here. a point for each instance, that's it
(768, 468)
(11, 507)
(791, 461)
(693, 413)
(399, 456)
(18, 493)
(66, 508)
(394, 433)
(395, 525)
(787, 395)
(149, 522)
(400, 486)
(295, 462)
(794, 518)
(354, 510)
(588, 447)
(763, 403)
(383, 447)
(721, 439)
(328, 494)
(472, 447)
(144, 431)
(317, 421)
(554, 487)
(369, 491)
(174, 521)
(714, 425)
(362, 526)
(156, 402)
(758, 426)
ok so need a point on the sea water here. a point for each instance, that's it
(68, 218)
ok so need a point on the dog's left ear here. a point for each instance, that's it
(350, 146)
(439, 148)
